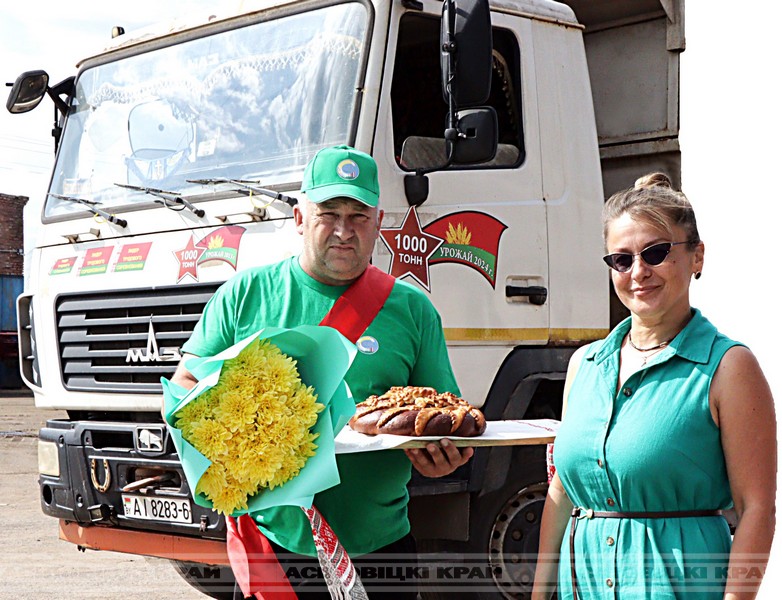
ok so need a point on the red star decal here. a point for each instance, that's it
(188, 260)
(410, 249)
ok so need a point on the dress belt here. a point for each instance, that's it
(579, 513)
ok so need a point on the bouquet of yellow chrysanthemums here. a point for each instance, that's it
(261, 414)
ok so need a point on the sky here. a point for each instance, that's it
(731, 125)
(730, 131)
(55, 39)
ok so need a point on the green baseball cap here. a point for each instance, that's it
(341, 172)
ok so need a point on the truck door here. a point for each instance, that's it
(483, 227)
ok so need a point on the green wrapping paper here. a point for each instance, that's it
(323, 358)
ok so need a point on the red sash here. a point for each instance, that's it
(252, 558)
(358, 306)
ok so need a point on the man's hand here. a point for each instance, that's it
(181, 377)
(438, 461)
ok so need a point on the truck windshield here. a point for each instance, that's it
(250, 103)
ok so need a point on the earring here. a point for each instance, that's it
(698, 275)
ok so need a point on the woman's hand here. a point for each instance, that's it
(743, 408)
(556, 513)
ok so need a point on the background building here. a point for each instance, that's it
(11, 283)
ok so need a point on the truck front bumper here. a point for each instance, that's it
(172, 547)
(88, 466)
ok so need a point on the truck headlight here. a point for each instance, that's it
(48, 459)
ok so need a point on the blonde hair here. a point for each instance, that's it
(653, 200)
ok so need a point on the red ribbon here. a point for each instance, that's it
(254, 563)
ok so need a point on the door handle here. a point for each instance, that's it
(537, 294)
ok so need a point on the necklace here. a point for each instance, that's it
(657, 347)
(653, 349)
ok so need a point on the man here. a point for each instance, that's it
(404, 345)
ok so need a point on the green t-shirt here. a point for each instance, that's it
(368, 509)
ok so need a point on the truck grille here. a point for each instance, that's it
(125, 341)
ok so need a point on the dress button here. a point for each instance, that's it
(600, 463)
(610, 582)
(610, 541)
(627, 392)
(610, 501)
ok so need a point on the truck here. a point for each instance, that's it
(499, 129)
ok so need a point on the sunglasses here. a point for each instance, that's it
(652, 256)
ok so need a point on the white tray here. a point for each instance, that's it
(498, 433)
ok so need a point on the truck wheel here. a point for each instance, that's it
(499, 559)
(512, 537)
(215, 581)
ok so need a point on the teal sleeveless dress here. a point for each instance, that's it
(651, 446)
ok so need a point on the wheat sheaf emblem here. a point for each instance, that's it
(459, 235)
(216, 242)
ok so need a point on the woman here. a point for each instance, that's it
(668, 422)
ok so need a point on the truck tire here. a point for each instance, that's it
(504, 533)
(215, 581)
(511, 530)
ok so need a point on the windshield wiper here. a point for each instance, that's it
(170, 200)
(251, 186)
(91, 204)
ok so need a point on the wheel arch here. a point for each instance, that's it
(528, 385)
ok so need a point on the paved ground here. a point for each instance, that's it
(34, 563)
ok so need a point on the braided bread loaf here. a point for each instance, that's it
(418, 411)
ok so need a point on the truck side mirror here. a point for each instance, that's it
(466, 51)
(466, 72)
(29, 89)
(477, 141)
(27, 92)
(466, 69)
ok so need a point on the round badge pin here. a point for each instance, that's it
(348, 169)
(367, 345)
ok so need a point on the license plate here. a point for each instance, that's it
(171, 510)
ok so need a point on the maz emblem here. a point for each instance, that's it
(152, 353)
(149, 439)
